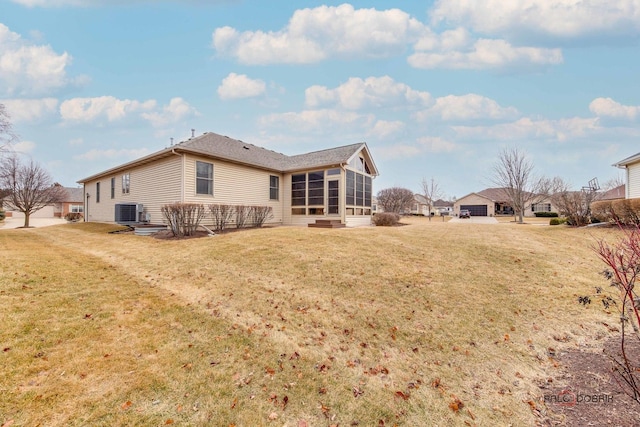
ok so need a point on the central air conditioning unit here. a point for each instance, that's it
(128, 213)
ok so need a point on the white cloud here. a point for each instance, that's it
(436, 144)
(372, 92)
(529, 129)
(23, 110)
(236, 86)
(426, 144)
(485, 54)
(177, 109)
(607, 107)
(318, 121)
(24, 147)
(28, 68)
(122, 154)
(76, 141)
(555, 18)
(313, 35)
(101, 108)
(467, 107)
(385, 128)
(398, 151)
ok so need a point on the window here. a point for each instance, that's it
(76, 208)
(298, 190)
(316, 188)
(97, 192)
(113, 188)
(351, 187)
(125, 183)
(358, 189)
(541, 207)
(332, 198)
(274, 187)
(333, 172)
(298, 211)
(204, 178)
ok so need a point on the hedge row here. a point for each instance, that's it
(546, 214)
(626, 211)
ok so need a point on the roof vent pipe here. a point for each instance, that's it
(193, 133)
(171, 141)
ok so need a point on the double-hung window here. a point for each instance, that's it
(204, 178)
(126, 183)
(274, 187)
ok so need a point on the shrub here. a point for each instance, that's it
(557, 221)
(259, 214)
(73, 216)
(2, 215)
(242, 214)
(386, 219)
(622, 211)
(221, 215)
(623, 267)
(183, 218)
(546, 214)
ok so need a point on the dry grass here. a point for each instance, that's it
(425, 324)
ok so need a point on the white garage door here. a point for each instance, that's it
(46, 212)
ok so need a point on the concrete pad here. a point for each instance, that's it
(473, 220)
(10, 223)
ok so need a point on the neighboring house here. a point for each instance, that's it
(213, 169)
(443, 207)
(73, 202)
(618, 192)
(493, 201)
(631, 165)
(420, 205)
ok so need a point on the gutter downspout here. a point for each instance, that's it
(173, 151)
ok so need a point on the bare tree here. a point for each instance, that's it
(574, 205)
(6, 130)
(395, 199)
(613, 183)
(513, 173)
(431, 192)
(29, 186)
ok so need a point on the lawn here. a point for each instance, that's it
(425, 324)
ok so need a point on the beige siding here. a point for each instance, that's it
(358, 221)
(474, 199)
(234, 184)
(633, 181)
(151, 185)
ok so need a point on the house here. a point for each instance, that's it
(420, 206)
(335, 183)
(72, 202)
(443, 207)
(615, 193)
(631, 165)
(494, 201)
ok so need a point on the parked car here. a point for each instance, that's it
(464, 213)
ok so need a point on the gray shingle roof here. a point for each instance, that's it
(74, 194)
(214, 145)
(222, 147)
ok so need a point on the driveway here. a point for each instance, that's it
(10, 223)
(473, 220)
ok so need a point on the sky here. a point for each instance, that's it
(437, 89)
